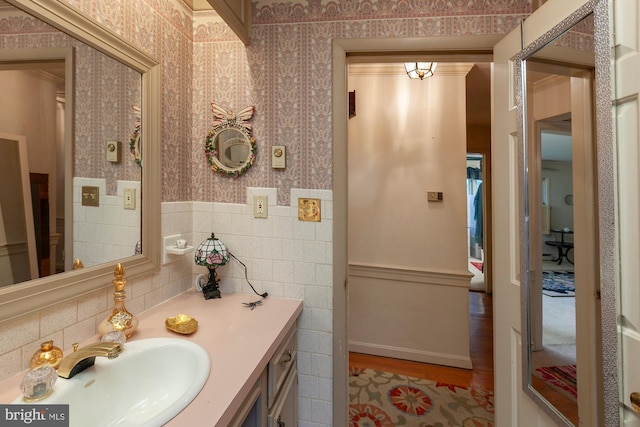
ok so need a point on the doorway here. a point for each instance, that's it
(478, 49)
(475, 220)
(394, 160)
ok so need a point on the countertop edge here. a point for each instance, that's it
(231, 410)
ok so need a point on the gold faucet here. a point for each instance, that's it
(84, 357)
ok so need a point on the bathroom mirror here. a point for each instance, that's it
(52, 98)
(229, 147)
(562, 127)
(143, 80)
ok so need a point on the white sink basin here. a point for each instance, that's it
(148, 384)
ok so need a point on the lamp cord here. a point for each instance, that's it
(263, 295)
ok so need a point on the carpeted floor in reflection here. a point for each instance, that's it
(558, 283)
(384, 399)
(561, 378)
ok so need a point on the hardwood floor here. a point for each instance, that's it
(481, 331)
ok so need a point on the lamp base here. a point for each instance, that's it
(211, 290)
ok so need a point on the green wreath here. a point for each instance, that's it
(134, 145)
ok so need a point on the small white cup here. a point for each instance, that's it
(181, 243)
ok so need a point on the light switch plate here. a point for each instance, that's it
(309, 210)
(434, 196)
(278, 157)
(90, 196)
(113, 151)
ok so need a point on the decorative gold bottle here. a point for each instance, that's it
(120, 319)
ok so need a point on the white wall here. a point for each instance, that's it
(408, 256)
(285, 257)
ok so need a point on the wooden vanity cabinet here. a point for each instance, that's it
(253, 411)
(283, 384)
(284, 412)
(273, 400)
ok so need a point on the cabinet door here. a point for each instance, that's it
(281, 364)
(253, 410)
(285, 409)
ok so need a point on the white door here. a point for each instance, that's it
(627, 110)
(513, 406)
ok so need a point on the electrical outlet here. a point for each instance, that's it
(129, 196)
(260, 206)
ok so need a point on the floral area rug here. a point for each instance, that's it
(477, 265)
(383, 399)
(561, 378)
(558, 283)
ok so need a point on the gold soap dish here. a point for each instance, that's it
(182, 324)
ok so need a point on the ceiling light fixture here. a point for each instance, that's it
(420, 70)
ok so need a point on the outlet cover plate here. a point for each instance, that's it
(129, 198)
(260, 206)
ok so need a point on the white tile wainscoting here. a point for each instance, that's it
(284, 256)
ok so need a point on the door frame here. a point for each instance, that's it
(468, 46)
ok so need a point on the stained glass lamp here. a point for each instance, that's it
(211, 253)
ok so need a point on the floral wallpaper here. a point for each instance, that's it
(162, 29)
(286, 73)
(104, 93)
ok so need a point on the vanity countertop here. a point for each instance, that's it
(240, 343)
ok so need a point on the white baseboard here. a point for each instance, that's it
(410, 354)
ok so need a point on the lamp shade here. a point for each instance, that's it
(211, 253)
(420, 70)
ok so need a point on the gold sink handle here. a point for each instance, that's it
(635, 401)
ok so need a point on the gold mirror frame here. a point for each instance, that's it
(30, 296)
(606, 407)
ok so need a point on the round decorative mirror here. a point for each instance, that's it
(230, 148)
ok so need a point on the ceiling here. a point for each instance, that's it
(198, 4)
(478, 84)
(556, 146)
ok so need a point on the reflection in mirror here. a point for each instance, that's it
(560, 324)
(233, 148)
(70, 102)
(110, 76)
(17, 257)
(229, 147)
